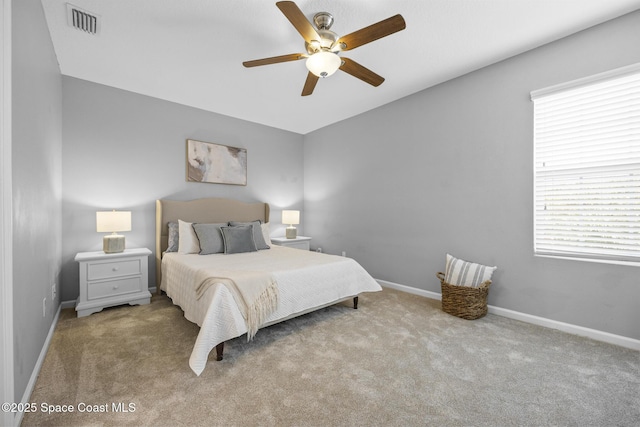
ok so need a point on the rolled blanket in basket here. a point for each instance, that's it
(464, 273)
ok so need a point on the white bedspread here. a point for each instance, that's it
(305, 280)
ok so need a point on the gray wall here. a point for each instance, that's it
(36, 174)
(123, 151)
(449, 170)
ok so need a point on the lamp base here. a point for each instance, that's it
(291, 233)
(113, 243)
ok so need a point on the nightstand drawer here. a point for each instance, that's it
(113, 288)
(109, 270)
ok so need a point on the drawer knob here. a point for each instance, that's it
(115, 268)
(116, 287)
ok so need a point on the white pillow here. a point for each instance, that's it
(188, 241)
(463, 273)
(266, 233)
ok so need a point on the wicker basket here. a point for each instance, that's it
(464, 301)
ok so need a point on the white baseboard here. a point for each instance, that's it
(607, 337)
(568, 327)
(26, 397)
(68, 304)
(410, 290)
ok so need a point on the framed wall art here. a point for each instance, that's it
(215, 163)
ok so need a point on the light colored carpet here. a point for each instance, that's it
(397, 360)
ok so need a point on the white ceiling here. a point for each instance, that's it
(191, 51)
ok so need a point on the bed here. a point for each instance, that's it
(209, 288)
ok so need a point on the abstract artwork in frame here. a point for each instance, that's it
(215, 163)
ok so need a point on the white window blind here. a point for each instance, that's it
(587, 168)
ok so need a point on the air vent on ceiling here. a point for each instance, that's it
(82, 19)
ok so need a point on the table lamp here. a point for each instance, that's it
(292, 218)
(112, 221)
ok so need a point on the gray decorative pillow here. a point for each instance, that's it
(210, 238)
(174, 234)
(238, 239)
(258, 237)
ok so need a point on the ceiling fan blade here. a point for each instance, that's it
(310, 84)
(274, 60)
(372, 32)
(350, 66)
(299, 21)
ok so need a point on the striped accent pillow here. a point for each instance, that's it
(464, 273)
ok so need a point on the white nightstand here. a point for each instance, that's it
(299, 242)
(112, 279)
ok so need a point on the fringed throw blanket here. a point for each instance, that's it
(255, 292)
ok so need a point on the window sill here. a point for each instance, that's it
(599, 261)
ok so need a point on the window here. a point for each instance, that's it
(587, 168)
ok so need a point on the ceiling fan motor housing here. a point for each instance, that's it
(326, 42)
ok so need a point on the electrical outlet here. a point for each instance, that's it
(44, 307)
(344, 253)
(53, 291)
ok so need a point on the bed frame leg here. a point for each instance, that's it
(355, 303)
(219, 351)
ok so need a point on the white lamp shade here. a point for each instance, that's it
(291, 217)
(323, 63)
(112, 221)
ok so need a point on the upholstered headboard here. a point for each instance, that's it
(208, 210)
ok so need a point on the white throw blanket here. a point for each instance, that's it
(255, 292)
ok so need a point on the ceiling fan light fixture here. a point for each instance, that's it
(323, 63)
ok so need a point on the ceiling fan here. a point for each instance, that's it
(324, 46)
